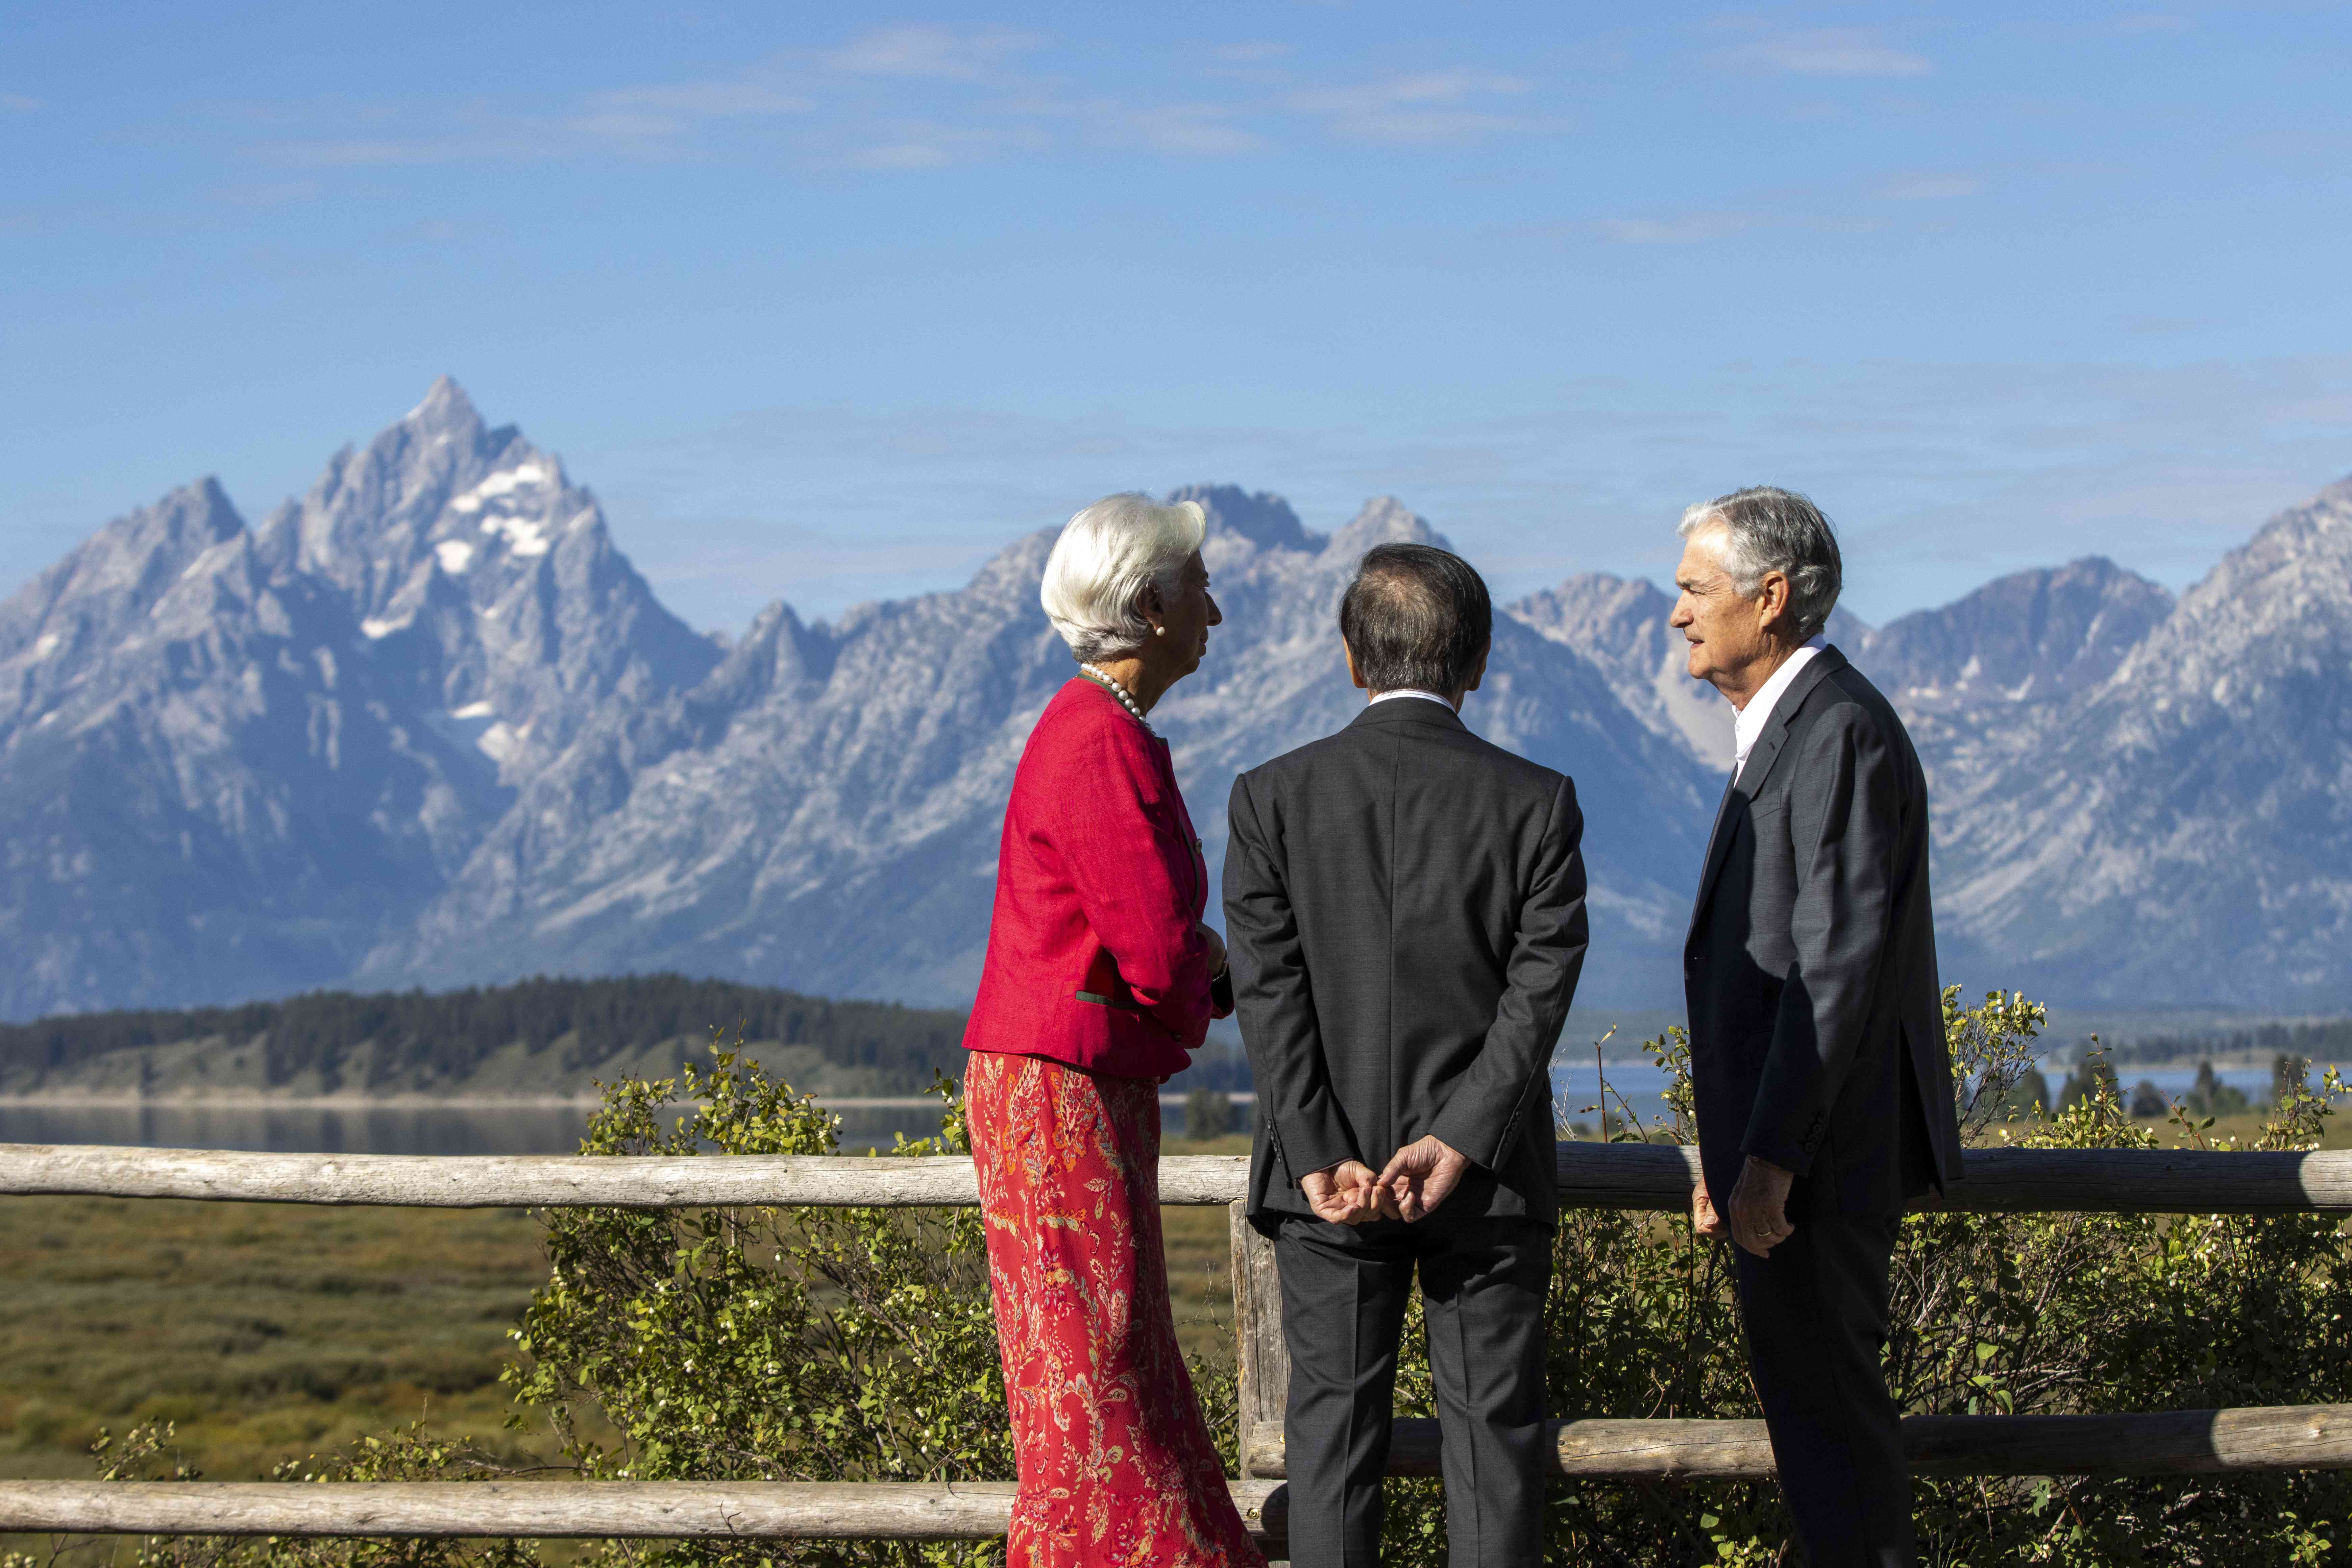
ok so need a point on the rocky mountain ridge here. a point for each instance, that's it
(426, 725)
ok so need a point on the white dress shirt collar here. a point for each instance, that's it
(1748, 724)
(1412, 691)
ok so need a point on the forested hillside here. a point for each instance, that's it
(541, 1036)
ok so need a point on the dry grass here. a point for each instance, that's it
(265, 1332)
(270, 1332)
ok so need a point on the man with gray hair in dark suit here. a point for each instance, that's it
(1818, 1061)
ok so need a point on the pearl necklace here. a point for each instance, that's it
(1116, 689)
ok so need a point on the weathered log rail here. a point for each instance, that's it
(596, 1510)
(2166, 1443)
(1655, 1178)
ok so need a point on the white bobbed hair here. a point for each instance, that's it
(1107, 554)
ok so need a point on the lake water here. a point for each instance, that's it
(394, 1130)
(556, 1129)
(1576, 1090)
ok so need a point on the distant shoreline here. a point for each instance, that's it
(372, 1103)
(67, 1101)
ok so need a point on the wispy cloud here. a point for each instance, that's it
(917, 145)
(19, 103)
(1253, 54)
(1684, 228)
(686, 101)
(1824, 51)
(2151, 22)
(1420, 109)
(1941, 475)
(1928, 187)
(935, 53)
(916, 98)
(1192, 130)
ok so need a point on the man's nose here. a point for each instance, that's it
(1217, 616)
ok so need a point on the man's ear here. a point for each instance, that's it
(1477, 672)
(1772, 600)
(1352, 675)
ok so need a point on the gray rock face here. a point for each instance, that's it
(487, 580)
(234, 762)
(426, 725)
(826, 805)
(2183, 828)
(2030, 637)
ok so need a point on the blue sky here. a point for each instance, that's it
(828, 303)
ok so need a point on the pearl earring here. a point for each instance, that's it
(1160, 631)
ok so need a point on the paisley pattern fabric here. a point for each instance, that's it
(1117, 1464)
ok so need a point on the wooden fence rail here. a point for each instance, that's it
(2166, 1443)
(646, 1510)
(1592, 1175)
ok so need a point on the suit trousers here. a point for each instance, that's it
(1816, 1315)
(1344, 1292)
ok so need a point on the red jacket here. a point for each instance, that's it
(1095, 954)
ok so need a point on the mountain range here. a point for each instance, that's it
(428, 726)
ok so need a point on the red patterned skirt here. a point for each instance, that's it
(1117, 1464)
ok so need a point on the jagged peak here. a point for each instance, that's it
(125, 566)
(1592, 587)
(1262, 518)
(1384, 519)
(200, 513)
(445, 407)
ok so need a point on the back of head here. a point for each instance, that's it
(1764, 529)
(1416, 618)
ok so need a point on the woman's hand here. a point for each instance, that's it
(1216, 945)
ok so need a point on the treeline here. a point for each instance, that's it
(446, 1034)
(2323, 1040)
(2096, 1077)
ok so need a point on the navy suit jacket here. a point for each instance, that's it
(1816, 1015)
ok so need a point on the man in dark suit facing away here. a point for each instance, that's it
(1818, 1061)
(1404, 906)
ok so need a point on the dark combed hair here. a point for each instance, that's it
(1417, 616)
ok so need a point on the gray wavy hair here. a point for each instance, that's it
(1107, 555)
(1764, 530)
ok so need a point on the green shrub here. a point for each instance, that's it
(1208, 1113)
(2023, 1314)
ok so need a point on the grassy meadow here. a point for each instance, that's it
(265, 1332)
(270, 1331)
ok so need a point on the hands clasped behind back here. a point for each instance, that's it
(1416, 1181)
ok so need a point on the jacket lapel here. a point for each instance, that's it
(1752, 778)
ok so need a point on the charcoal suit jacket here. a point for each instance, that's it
(1816, 1016)
(1404, 904)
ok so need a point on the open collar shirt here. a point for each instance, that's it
(1748, 724)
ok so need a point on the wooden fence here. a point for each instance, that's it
(1623, 1176)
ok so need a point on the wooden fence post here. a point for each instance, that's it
(1263, 1358)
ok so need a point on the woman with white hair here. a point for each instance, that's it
(1099, 983)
